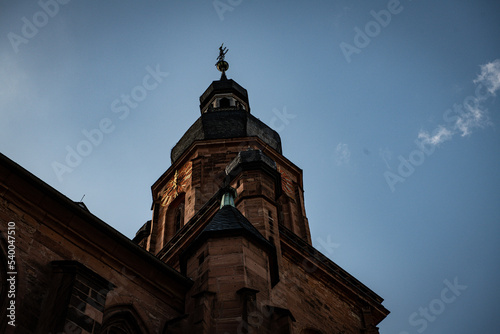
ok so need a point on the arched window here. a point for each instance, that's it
(224, 103)
(285, 212)
(174, 218)
(122, 319)
(179, 217)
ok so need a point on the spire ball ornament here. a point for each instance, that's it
(221, 64)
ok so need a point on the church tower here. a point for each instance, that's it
(229, 214)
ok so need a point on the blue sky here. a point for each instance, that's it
(390, 108)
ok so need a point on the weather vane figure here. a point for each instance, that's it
(221, 64)
(222, 52)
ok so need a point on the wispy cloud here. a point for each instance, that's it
(342, 154)
(440, 135)
(471, 114)
(473, 117)
(490, 76)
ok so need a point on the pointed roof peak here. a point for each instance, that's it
(230, 220)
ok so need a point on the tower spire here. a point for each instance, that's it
(221, 64)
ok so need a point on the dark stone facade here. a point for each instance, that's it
(228, 248)
(226, 124)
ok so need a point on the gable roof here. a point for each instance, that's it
(19, 182)
(228, 222)
(229, 219)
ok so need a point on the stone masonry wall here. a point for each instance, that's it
(47, 230)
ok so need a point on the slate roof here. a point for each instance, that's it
(223, 86)
(230, 219)
(249, 157)
(226, 124)
(227, 222)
